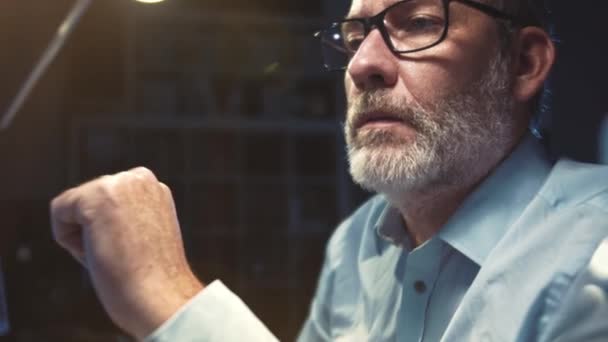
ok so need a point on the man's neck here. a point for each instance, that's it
(426, 211)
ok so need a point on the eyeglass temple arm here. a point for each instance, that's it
(52, 50)
(496, 13)
(330, 43)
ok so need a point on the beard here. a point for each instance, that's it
(452, 135)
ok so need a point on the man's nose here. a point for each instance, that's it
(374, 65)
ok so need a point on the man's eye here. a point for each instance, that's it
(421, 24)
(353, 42)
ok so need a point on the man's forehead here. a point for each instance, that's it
(366, 8)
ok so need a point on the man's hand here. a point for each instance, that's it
(123, 228)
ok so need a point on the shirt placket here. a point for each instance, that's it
(421, 271)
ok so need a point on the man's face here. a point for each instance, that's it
(429, 117)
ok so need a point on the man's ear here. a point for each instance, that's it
(535, 55)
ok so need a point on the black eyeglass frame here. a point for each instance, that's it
(377, 21)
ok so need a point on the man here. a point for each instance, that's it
(475, 235)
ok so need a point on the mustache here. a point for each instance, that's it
(380, 103)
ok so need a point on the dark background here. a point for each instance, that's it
(226, 102)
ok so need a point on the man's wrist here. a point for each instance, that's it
(162, 303)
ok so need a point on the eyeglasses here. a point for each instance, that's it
(406, 26)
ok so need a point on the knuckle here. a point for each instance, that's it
(107, 182)
(107, 186)
(54, 207)
(166, 189)
(143, 172)
(55, 202)
(61, 200)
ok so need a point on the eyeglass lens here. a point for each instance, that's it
(409, 25)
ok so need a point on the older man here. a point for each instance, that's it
(474, 236)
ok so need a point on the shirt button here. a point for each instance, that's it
(419, 286)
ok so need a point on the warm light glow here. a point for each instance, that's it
(150, 1)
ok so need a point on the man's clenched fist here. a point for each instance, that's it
(123, 228)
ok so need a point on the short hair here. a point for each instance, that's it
(531, 13)
(528, 12)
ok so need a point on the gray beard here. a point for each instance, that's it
(451, 136)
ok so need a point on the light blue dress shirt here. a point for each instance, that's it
(497, 271)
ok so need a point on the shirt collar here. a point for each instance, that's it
(390, 227)
(486, 214)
